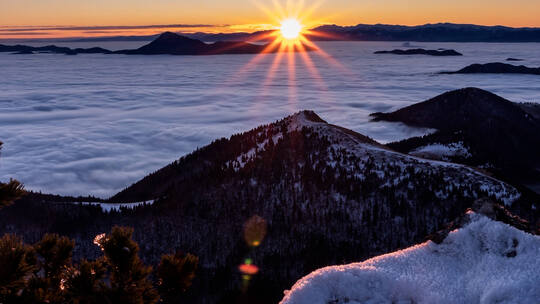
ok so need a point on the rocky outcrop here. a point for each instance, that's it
(422, 52)
(496, 68)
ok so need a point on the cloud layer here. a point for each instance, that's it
(94, 124)
(101, 28)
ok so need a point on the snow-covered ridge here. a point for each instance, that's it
(485, 261)
(389, 165)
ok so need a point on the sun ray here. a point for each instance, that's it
(275, 65)
(270, 76)
(313, 33)
(271, 15)
(312, 68)
(305, 14)
(290, 37)
(326, 56)
(281, 11)
(299, 8)
(292, 74)
(273, 44)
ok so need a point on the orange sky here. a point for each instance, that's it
(16, 16)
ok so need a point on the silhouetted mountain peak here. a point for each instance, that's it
(496, 68)
(305, 118)
(494, 133)
(171, 43)
(173, 37)
(456, 109)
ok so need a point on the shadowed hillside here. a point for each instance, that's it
(498, 135)
(327, 194)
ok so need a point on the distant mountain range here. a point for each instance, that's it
(329, 195)
(439, 32)
(174, 44)
(165, 44)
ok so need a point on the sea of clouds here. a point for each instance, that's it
(94, 124)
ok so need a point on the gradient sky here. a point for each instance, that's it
(245, 15)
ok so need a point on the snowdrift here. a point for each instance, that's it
(485, 261)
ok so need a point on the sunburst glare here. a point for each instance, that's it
(290, 28)
(293, 27)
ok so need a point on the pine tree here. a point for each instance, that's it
(129, 282)
(175, 273)
(44, 273)
(11, 191)
(53, 256)
(17, 262)
(85, 284)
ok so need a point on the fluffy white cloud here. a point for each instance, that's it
(94, 124)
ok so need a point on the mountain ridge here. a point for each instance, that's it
(436, 32)
(296, 122)
(167, 43)
(495, 132)
(320, 188)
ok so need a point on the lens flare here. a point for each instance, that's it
(248, 268)
(254, 231)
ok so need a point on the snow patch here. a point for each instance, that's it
(484, 262)
(442, 152)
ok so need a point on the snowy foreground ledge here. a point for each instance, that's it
(484, 262)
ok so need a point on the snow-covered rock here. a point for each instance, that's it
(485, 261)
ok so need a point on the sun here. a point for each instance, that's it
(290, 28)
(288, 36)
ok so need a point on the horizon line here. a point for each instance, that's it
(119, 31)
